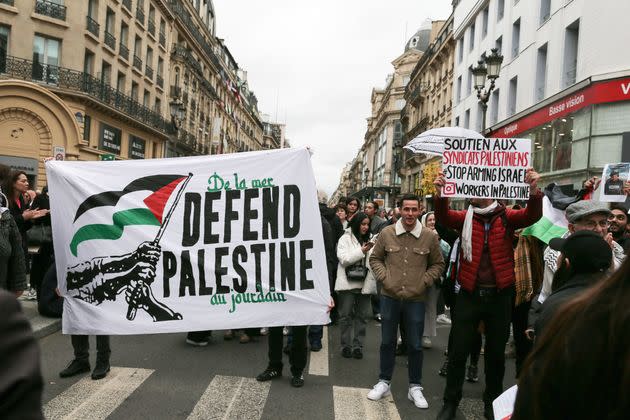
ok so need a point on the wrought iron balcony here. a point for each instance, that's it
(148, 71)
(93, 26)
(151, 26)
(123, 51)
(110, 40)
(160, 81)
(140, 15)
(72, 80)
(163, 39)
(48, 8)
(137, 62)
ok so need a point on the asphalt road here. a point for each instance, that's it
(161, 377)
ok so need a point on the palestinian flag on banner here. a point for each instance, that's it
(554, 223)
(149, 197)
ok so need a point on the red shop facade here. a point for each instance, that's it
(576, 132)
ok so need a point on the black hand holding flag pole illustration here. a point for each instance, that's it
(140, 295)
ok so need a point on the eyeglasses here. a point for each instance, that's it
(592, 225)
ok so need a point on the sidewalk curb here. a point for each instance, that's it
(48, 329)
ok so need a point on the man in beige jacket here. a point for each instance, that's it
(406, 260)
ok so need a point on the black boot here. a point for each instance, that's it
(447, 412)
(101, 369)
(75, 367)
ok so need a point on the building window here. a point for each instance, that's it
(106, 73)
(469, 81)
(87, 125)
(500, 9)
(494, 107)
(88, 62)
(571, 40)
(467, 119)
(472, 38)
(499, 44)
(134, 91)
(121, 82)
(46, 55)
(541, 73)
(513, 90)
(516, 37)
(460, 50)
(158, 106)
(381, 154)
(149, 57)
(545, 10)
(484, 22)
(456, 121)
(124, 34)
(458, 94)
(146, 99)
(4, 41)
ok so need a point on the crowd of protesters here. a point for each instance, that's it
(563, 300)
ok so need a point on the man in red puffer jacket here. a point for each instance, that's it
(486, 276)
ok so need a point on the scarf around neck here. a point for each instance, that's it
(467, 228)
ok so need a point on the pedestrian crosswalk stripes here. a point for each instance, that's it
(232, 397)
(318, 364)
(352, 404)
(95, 400)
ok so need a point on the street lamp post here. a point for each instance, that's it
(178, 113)
(489, 67)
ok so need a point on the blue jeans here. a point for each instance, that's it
(412, 314)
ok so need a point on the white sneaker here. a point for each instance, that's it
(285, 330)
(380, 390)
(415, 395)
(426, 343)
(443, 319)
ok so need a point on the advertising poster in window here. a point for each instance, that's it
(615, 180)
(110, 138)
(137, 147)
(486, 168)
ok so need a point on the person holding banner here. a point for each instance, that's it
(486, 276)
(406, 260)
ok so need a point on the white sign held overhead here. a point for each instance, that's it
(486, 168)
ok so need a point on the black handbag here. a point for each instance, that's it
(39, 234)
(357, 271)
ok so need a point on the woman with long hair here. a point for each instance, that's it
(15, 188)
(12, 267)
(580, 366)
(352, 207)
(353, 285)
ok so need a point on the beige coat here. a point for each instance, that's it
(406, 262)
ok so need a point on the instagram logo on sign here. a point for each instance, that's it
(449, 188)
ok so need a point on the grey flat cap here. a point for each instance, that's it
(577, 211)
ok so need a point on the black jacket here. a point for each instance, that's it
(575, 285)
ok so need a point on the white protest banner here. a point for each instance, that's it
(188, 244)
(614, 177)
(486, 168)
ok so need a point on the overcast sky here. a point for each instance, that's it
(321, 59)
